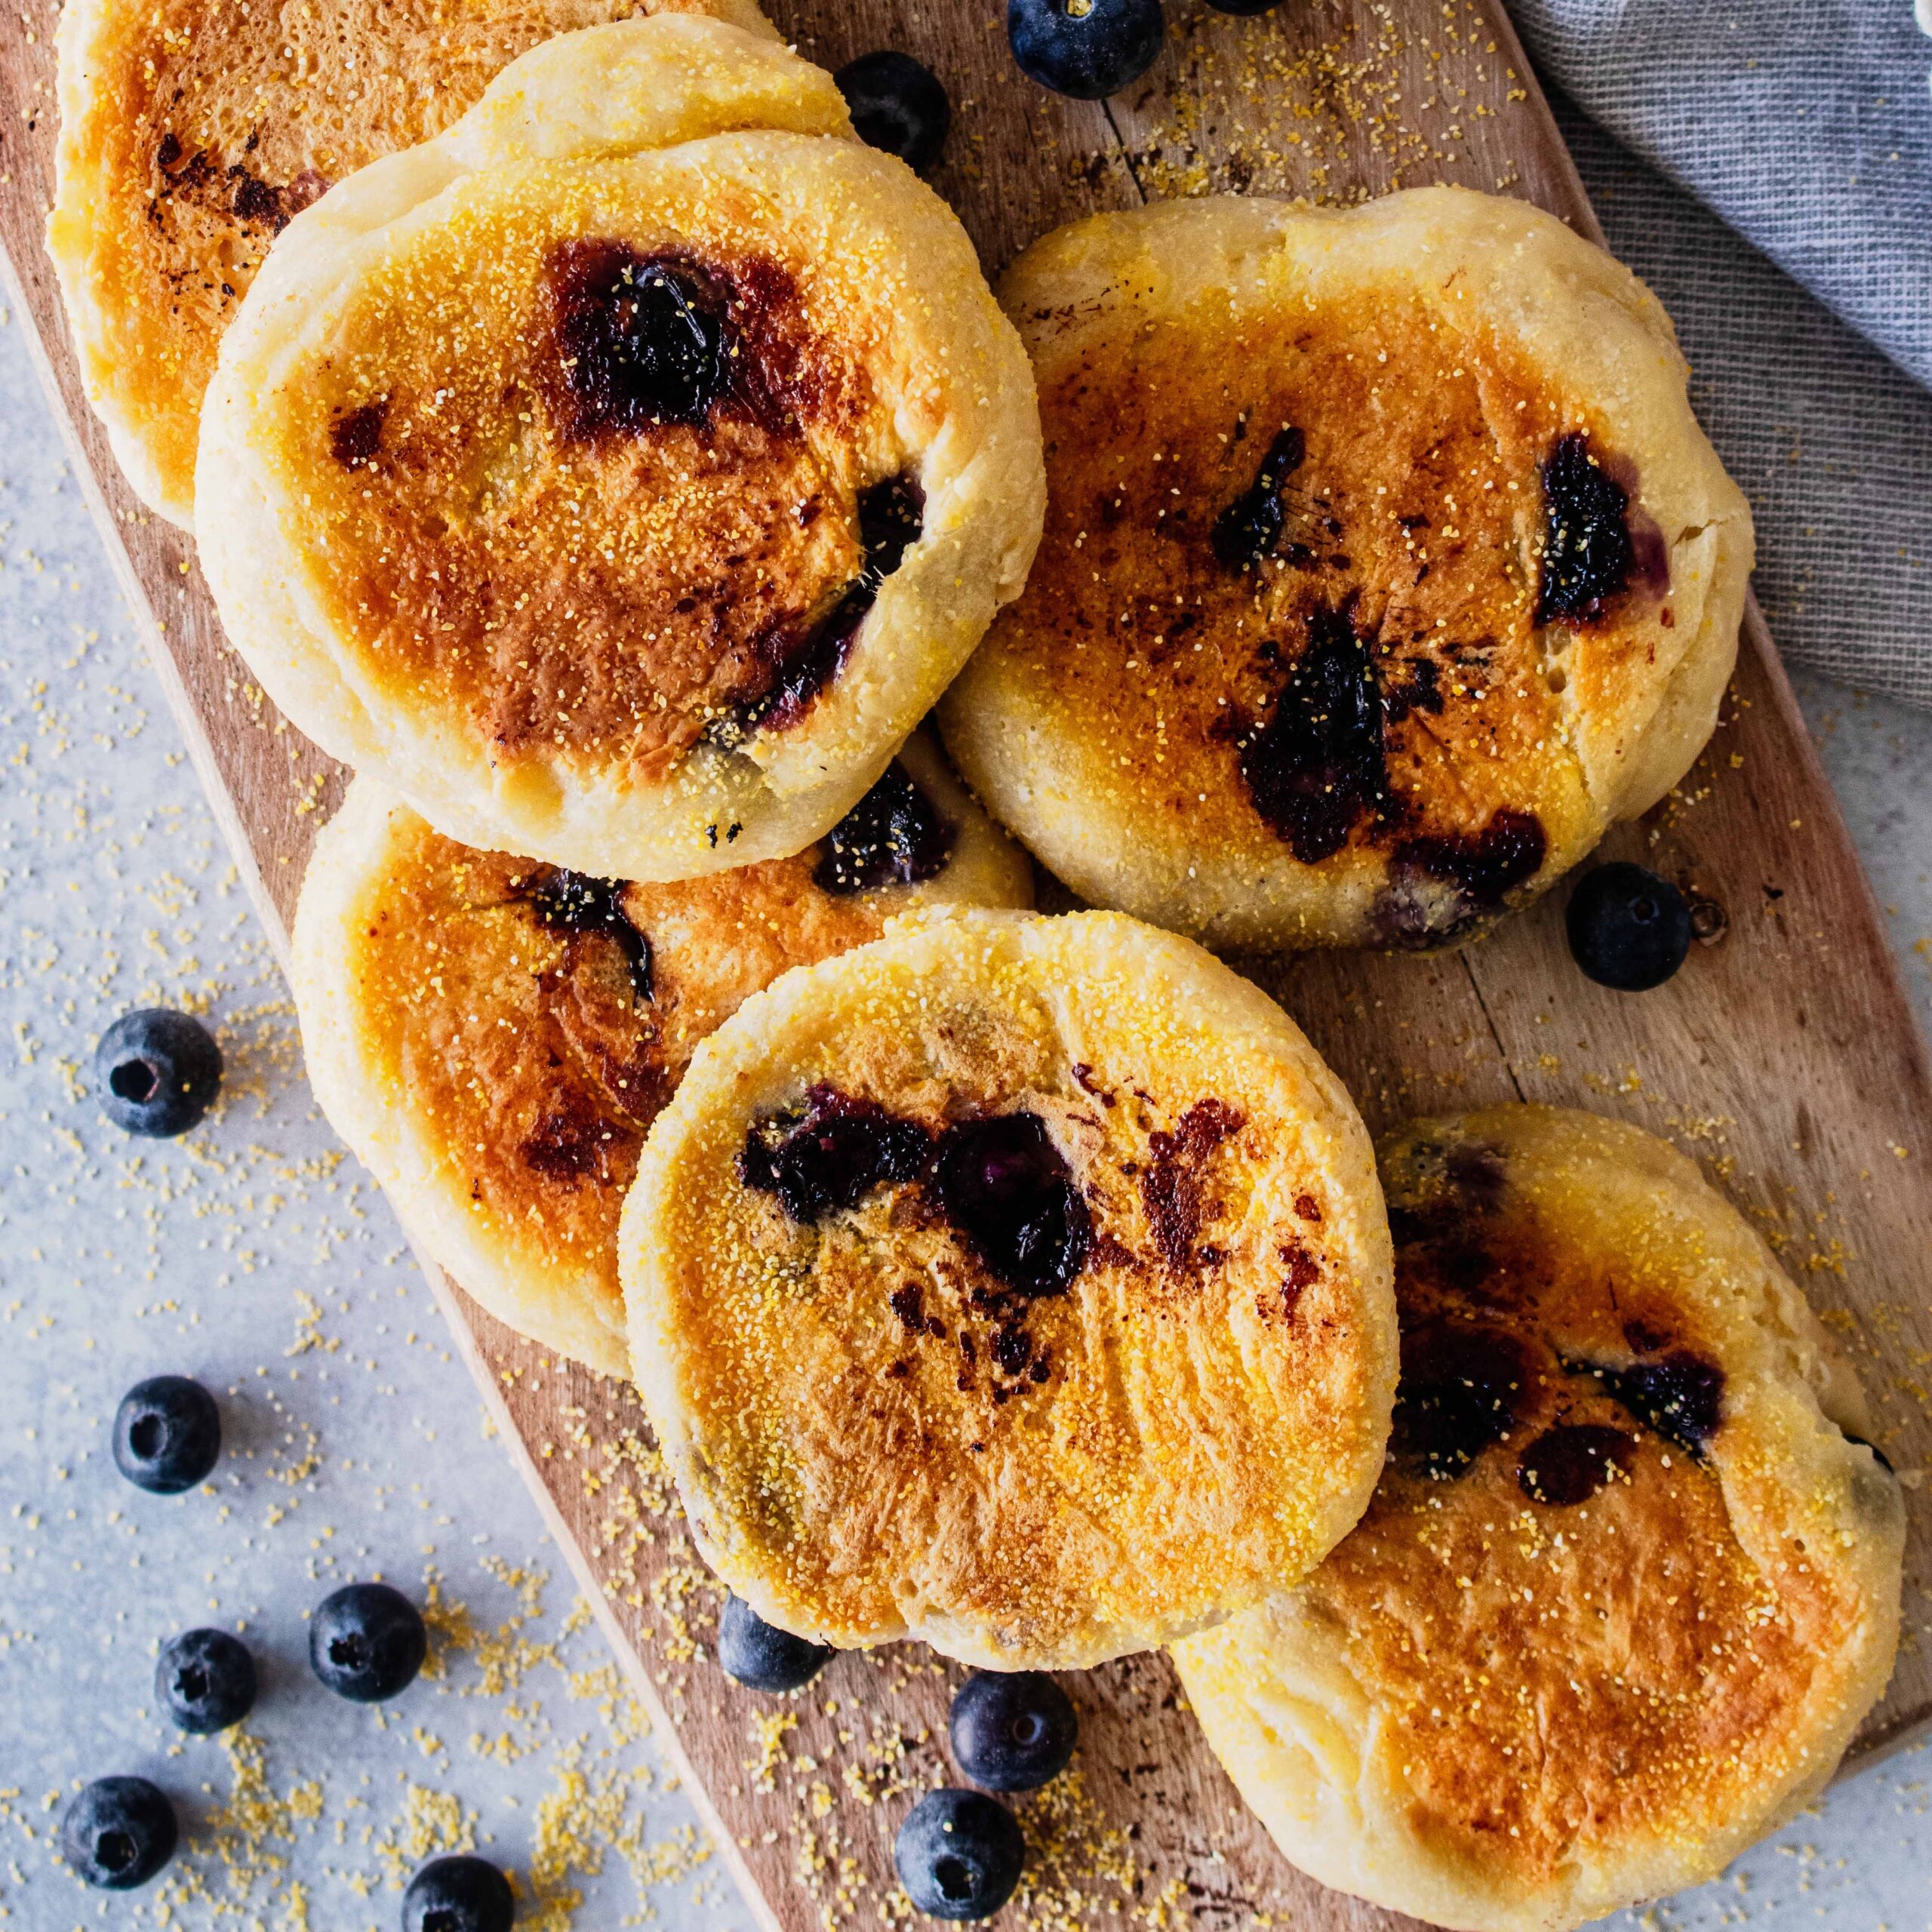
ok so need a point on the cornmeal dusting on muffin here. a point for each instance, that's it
(879, 1431)
(526, 1049)
(1359, 615)
(1630, 1578)
(441, 562)
(189, 143)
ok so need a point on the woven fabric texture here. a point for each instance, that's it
(1767, 170)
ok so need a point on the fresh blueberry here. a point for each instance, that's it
(1086, 48)
(157, 1071)
(762, 1657)
(1012, 1730)
(959, 1854)
(167, 1435)
(458, 1895)
(898, 104)
(206, 1680)
(367, 1642)
(1629, 929)
(118, 1833)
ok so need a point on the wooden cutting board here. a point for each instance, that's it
(1783, 1056)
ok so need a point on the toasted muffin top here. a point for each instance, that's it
(620, 503)
(1376, 541)
(1624, 1589)
(191, 135)
(493, 1037)
(1014, 1283)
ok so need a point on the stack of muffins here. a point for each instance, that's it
(615, 461)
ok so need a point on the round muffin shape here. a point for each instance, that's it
(190, 137)
(1017, 1283)
(1385, 567)
(493, 1037)
(621, 504)
(1630, 1580)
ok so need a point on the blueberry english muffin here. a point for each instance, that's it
(493, 1037)
(1630, 1577)
(191, 134)
(1017, 1283)
(621, 504)
(1385, 567)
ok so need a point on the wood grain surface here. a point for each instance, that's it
(1783, 1057)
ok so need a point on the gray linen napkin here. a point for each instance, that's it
(1806, 124)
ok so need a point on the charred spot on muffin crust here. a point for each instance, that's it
(356, 435)
(1250, 527)
(1171, 1189)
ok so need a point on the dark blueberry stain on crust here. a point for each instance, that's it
(1587, 556)
(799, 660)
(1171, 1190)
(640, 340)
(575, 902)
(1415, 912)
(202, 179)
(1423, 691)
(1011, 1347)
(1483, 868)
(568, 1142)
(830, 1153)
(255, 201)
(1317, 767)
(1300, 1270)
(1568, 1464)
(356, 436)
(1009, 1195)
(1250, 529)
(895, 835)
(998, 1180)
(1458, 1394)
(1680, 1397)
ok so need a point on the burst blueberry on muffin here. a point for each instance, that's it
(1385, 567)
(620, 492)
(493, 1037)
(1630, 1580)
(1017, 1283)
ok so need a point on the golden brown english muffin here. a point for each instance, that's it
(1630, 1578)
(192, 133)
(621, 504)
(1018, 1284)
(1386, 566)
(492, 1038)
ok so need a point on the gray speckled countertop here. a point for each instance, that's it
(255, 1255)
